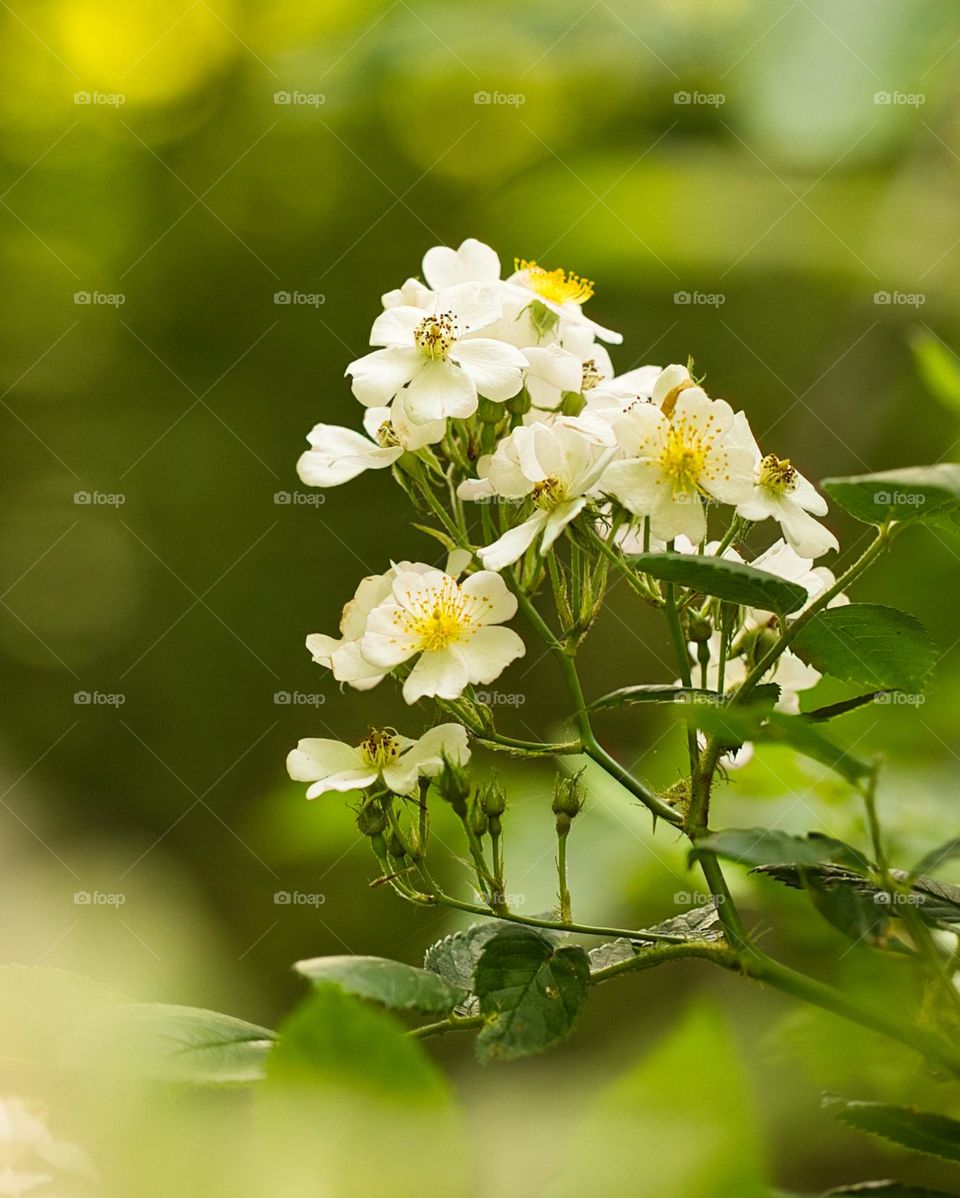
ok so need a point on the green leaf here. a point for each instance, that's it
(820, 715)
(723, 579)
(886, 1189)
(626, 696)
(921, 1131)
(698, 924)
(939, 368)
(334, 1041)
(767, 846)
(915, 493)
(733, 725)
(937, 902)
(455, 957)
(870, 645)
(947, 851)
(394, 984)
(530, 992)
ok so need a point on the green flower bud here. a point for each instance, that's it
(698, 629)
(479, 823)
(572, 403)
(520, 404)
(568, 797)
(492, 798)
(371, 820)
(453, 783)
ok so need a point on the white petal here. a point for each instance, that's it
(376, 378)
(396, 326)
(489, 651)
(441, 389)
(425, 757)
(340, 456)
(558, 520)
(555, 366)
(513, 544)
(356, 779)
(805, 535)
(639, 485)
(678, 515)
(443, 674)
(493, 602)
(495, 368)
(668, 380)
(317, 758)
(473, 262)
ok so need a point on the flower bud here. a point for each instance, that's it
(489, 412)
(479, 823)
(371, 820)
(520, 404)
(568, 797)
(395, 847)
(698, 629)
(453, 783)
(493, 799)
(572, 403)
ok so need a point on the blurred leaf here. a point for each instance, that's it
(937, 902)
(45, 1014)
(870, 645)
(638, 1137)
(887, 1189)
(821, 714)
(530, 991)
(723, 579)
(626, 696)
(914, 493)
(336, 1042)
(921, 1131)
(397, 985)
(767, 846)
(947, 851)
(938, 367)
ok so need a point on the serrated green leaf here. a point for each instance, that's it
(455, 957)
(921, 1131)
(723, 579)
(336, 1042)
(914, 493)
(395, 984)
(699, 924)
(530, 992)
(870, 645)
(937, 902)
(768, 846)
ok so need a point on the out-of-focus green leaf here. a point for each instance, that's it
(870, 645)
(530, 992)
(914, 493)
(820, 715)
(766, 846)
(938, 367)
(921, 1131)
(947, 851)
(937, 902)
(336, 1042)
(723, 579)
(626, 696)
(886, 1189)
(395, 984)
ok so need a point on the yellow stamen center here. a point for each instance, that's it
(559, 286)
(591, 376)
(777, 475)
(549, 492)
(435, 335)
(380, 748)
(688, 458)
(386, 436)
(441, 615)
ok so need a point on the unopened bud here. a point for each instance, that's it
(479, 823)
(453, 783)
(489, 412)
(568, 797)
(698, 629)
(572, 403)
(492, 798)
(520, 404)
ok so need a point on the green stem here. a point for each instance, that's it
(453, 1023)
(565, 906)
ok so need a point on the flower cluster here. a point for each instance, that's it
(494, 401)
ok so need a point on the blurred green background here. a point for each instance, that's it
(166, 171)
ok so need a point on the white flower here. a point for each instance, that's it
(382, 755)
(342, 655)
(562, 292)
(26, 1145)
(473, 262)
(413, 294)
(337, 455)
(781, 559)
(556, 466)
(781, 491)
(432, 363)
(668, 385)
(670, 465)
(610, 399)
(448, 626)
(790, 673)
(551, 371)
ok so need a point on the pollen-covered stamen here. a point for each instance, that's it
(441, 615)
(380, 748)
(387, 436)
(559, 286)
(435, 335)
(670, 399)
(591, 376)
(688, 459)
(777, 475)
(549, 492)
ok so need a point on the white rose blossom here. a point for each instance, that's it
(451, 628)
(432, 363)
(337, 455)
(384, 755)
(558, 467)
(671, 464)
